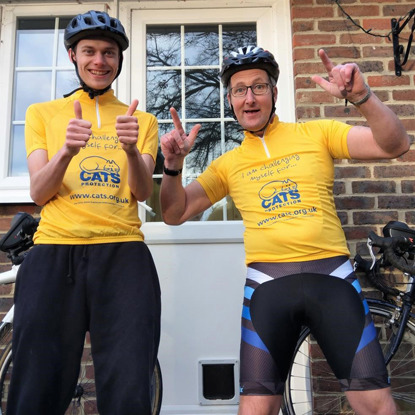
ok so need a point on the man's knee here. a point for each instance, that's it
(374, 402)
(260, 405)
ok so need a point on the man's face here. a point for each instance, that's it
(252, 111)
(97, 61)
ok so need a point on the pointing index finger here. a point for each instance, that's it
(325, 60)
(176, 121)
(132, 108)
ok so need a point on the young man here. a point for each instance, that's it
(90, 160)
(296, 251)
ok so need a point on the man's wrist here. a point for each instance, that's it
(171, 172)
(364, 99)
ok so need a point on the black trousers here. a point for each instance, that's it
(110, 290)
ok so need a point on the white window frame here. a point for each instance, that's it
(16, 189)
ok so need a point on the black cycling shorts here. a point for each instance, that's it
(324, 295)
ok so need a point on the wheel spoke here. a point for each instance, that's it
(311, 388)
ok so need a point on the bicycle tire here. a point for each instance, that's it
(305, 394)
(84, 399)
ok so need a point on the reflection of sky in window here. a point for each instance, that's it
(18, 157)
(201, 45)
(30, 87)
(63, 59)
(165, 128)
(233, 135)
(163, 46)
(238, 35)
(34, 48)
(206, 148)
(202, 94)
(66, 81)
(163, 92)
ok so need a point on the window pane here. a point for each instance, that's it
(34, 48)
(66, 81)
(233, 135)
(201, 45)
(30, 87)
(207, 147)
(163, 91)
(36, 76)
(18, 152)
(34, 42)
(202, 94)
(237, 35)
(63, 59)
(222, 210)
(163, 46)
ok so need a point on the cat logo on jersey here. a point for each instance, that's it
(100, 170)
(279, 192)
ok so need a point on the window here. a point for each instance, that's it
(34, 68)
(42, 72)
(183, 64)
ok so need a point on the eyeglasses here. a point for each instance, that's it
(257, 89)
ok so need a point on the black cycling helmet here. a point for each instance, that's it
(95, 23)
(249, 57)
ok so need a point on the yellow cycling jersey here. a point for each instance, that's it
(282, 184)
(94, 203)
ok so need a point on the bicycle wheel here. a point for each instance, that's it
(311, 387)
(84, 398)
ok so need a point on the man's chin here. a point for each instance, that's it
(254, 127)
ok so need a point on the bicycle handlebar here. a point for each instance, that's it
(19, 238)
(394, 248)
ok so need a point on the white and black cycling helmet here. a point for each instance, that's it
(249, 57)
(95, 24)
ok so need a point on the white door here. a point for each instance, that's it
(175, 61)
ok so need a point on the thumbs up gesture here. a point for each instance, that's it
(78, 131)
(127, 129)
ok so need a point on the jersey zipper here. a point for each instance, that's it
(265, 145)
(97, 111)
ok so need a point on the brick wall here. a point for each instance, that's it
(368, 195)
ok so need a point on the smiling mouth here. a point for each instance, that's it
(99, 73)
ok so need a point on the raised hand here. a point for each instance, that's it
(127, 129)
(78, 131)
(176, 144)
(344, 81)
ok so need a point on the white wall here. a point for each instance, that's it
(202, 290)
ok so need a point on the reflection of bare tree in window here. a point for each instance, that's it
(208, 145)
(163, 92)
(163, 46)
(238, 35)
(202, 92)
(201, 45)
